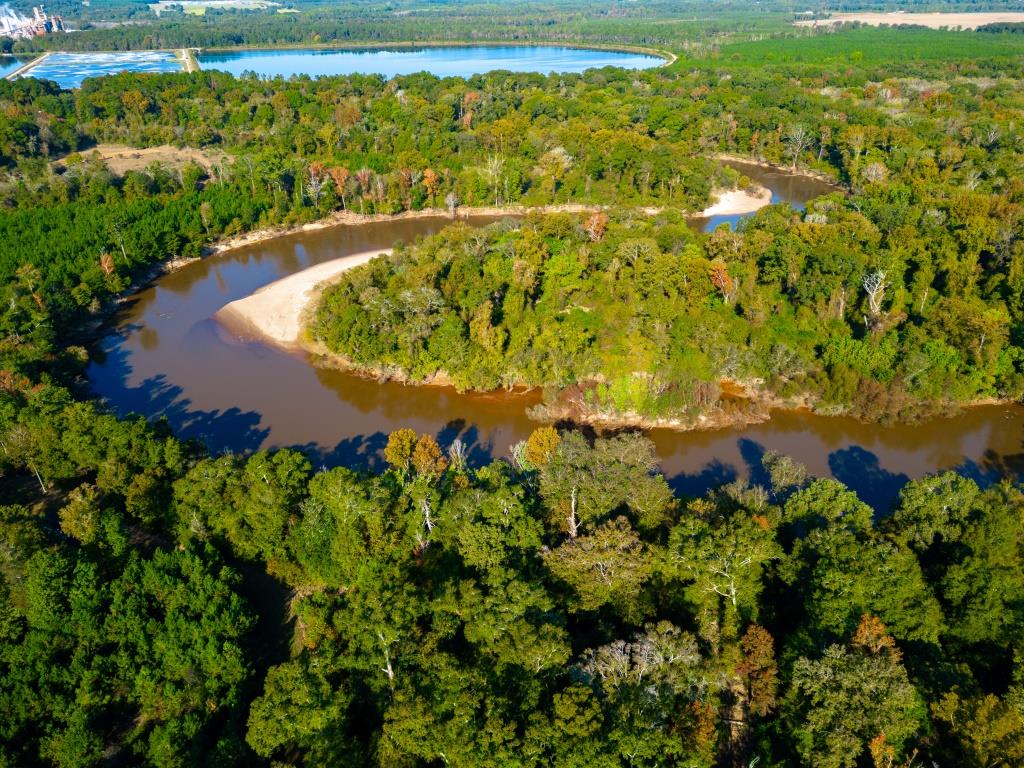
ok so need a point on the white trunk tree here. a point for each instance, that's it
(874, 286)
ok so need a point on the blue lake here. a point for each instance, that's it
(68, 70)
(443, 62)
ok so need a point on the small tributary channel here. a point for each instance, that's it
(167, 356)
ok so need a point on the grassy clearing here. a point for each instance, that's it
(873, 46)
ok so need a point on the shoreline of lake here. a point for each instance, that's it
(661, 53)
(464, 60)
(69, 68)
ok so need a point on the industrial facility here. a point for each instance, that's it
(13, 24)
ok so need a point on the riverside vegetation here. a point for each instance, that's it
(642, 320)
(162, 606)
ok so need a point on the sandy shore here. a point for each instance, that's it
(731, 202)
(355, 219)
(275, 312)
(932, 20)
(735, 202)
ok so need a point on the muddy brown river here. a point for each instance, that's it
(167, 357)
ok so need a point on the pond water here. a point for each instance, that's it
(456, 61)
(167, 356)
(9, 64)
(68, 70)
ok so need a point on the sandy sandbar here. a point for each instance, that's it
(276, 311)
(932, 20)
(732, 202)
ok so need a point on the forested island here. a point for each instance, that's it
(165, 604)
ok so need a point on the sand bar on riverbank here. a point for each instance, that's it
(729, 203)
(732, 202)
(275, 312)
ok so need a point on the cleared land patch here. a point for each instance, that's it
(930, 20)
(120, 158)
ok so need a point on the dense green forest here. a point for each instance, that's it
(692, 26)
(560, 606)
(676, 23)
(559, 609)
(637, 319)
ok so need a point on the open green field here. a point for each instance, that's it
(872, 46)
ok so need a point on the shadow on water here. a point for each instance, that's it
(479, 452)
(854, 466)
(230, 429)
(356, 452)
(860, 471)
(717, 473)
(714, 474)
(753, 456)
(367, 451)
(994, 467)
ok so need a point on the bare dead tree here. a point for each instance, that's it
(874, 173)
(387, 669)
(428, 522)
(493, 172)
(595, 226)
(874, 286)
(458, 454)
(518, 452)
(797, 138)
(317, 181)
(116, 226)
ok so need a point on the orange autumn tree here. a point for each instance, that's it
(340, 175)
(431, 183)
(427, 458)
(722, 280)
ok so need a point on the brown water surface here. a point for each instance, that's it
(793, 188)
(168, 357)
